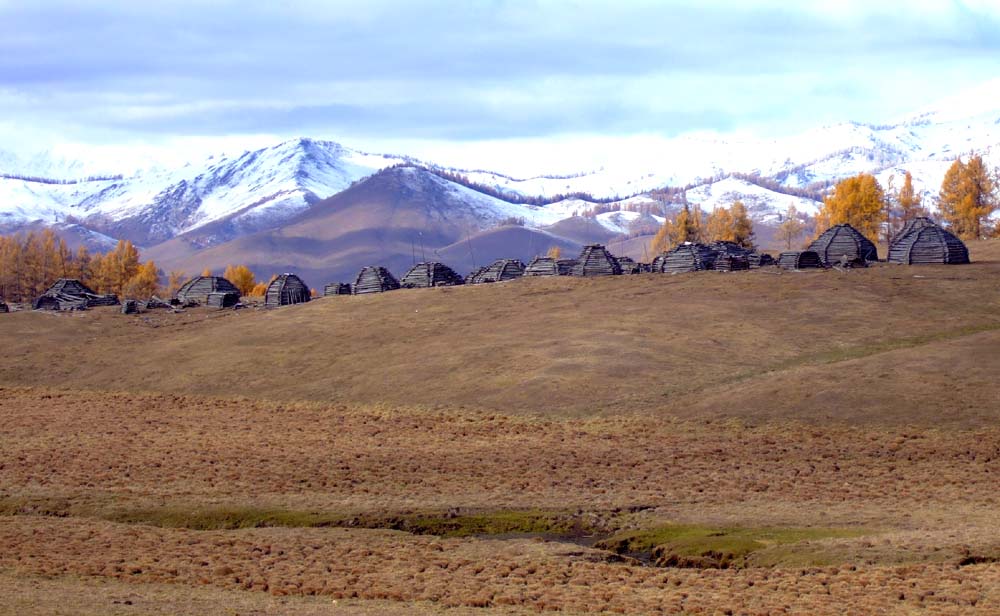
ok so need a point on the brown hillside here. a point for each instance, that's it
(729, 344)
(392, 218)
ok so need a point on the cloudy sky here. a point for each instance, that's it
(473, 82)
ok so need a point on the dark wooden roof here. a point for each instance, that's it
(432, 274)
(804, 259)
(337, 288)
(687, 257)
(374, 279)
(929, 244)
(285, 290)
(844, 240)
(595, 260)
(199, 288)
(499, 271)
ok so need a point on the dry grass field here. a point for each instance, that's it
(752, 443)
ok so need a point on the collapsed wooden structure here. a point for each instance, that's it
(629, 265)
(285, 290)
(155, 303)
(197, 290)
(844, 244)
(794, 260)
(760, 259)
(731, 262)
(686, 257)
(71, 294)
(500, 270)
(374, 279)
(131, 306)
(222, 299)
(431, 274)
(926, 244)
(595, 260)
(337, 288)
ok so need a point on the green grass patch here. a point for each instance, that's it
(225, 518)
(707, 547)
(443, 524)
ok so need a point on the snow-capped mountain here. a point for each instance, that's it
(248, 192)
(228, 196)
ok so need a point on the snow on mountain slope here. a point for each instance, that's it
(762, 204)
(626, 222)
(254, 190)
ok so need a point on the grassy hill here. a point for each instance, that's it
(815, 345)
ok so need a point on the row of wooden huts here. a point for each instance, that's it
(921, 242)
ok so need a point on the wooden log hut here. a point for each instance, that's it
(337, 288)
(687, 257)
(431, 274)
(843, 243)
(595, 260)
(929, 244)
(71, 294)
(795, 260)
(500, 270)
(374, 279)
(197, 290)
(285, 290)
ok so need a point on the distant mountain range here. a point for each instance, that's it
(326, 209)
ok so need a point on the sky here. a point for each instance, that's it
(552, 86)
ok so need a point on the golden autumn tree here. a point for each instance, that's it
(175, 280)
(791, 228)
(858, 201)
(730, 224)
(144, 283)
(742, 225)
(968, 196)
(554, 252)
(258, 290)
(685, 227)
(719, 226)
(241, 277)
(206, 272)
(909, 201)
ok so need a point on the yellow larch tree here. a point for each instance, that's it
(241, 277)
(858, 201)
(968, 196)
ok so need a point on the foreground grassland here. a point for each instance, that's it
(817, 442)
